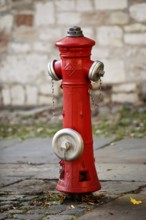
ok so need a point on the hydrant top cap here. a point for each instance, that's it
(75, 38)
(75, 31)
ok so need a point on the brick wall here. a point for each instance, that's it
(29, 29)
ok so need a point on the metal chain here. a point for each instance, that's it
(100, 90)
(90, 93)
(92, 99)
(64, 155)
(53, 98)
(99, 96)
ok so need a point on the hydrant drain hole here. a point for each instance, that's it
(84, 176)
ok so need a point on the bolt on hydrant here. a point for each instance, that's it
(74, 144)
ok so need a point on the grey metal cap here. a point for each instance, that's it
(51, 70)
(96, 71)
(67, 144)
(75, 31)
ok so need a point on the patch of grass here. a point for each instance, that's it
(127, 123)
(27, 131)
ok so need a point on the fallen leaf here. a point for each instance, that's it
(135, 202)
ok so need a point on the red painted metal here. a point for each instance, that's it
(79, 175)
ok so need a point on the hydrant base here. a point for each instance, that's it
(88, 189)
(74, 179)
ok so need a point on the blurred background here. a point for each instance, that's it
(28, 32)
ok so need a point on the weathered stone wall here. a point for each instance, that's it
(29, 29)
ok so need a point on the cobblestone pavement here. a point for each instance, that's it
(49, 205)
(29, 172)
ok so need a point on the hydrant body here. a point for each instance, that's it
(78, 172)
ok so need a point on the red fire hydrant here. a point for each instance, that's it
(74, 144)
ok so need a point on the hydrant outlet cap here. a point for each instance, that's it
(75, 31)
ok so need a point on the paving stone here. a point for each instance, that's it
(130, 151)
(119, 187)
(55, 209)
(51, 173)
(28, 198)
(101, 142)
(9, 143)
(8, 180)
(119, 209)
(26, 206)
(40, 210)
(3, 216)
(11, 173)
(60, 217)
(15, 211)
(14, 203)
(143, 190)
(30, 151)
(125, 172)
(74, 211)
(29, 187)
(10, 199)
(6, 207)
(122, 171)
(27, 216)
